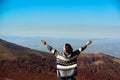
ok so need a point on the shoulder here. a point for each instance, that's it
(76, 52)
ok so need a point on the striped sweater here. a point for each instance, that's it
(66, 62)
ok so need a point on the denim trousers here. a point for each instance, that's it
(67, 78)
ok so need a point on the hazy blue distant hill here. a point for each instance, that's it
(105, 45)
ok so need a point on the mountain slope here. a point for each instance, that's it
(13, 51)
(98, 66)
(21, 63)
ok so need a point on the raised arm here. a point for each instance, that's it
(50, 48)
(85, 46)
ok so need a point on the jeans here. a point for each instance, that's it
(67, 78)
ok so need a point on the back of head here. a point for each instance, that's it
(68, 48)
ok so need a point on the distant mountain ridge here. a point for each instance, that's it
(106, 45)
(22, 63)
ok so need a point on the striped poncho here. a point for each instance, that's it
(66, 62)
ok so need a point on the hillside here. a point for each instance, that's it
(22, 63)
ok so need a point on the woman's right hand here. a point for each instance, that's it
(88, 42)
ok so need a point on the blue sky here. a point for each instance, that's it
(60, 18)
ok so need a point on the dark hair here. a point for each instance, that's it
(68, 48)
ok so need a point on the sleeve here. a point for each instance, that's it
(82, 48)
(78, 51)
(52, 50)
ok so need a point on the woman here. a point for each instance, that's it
(67, 60)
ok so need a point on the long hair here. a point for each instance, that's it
(68, 48)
